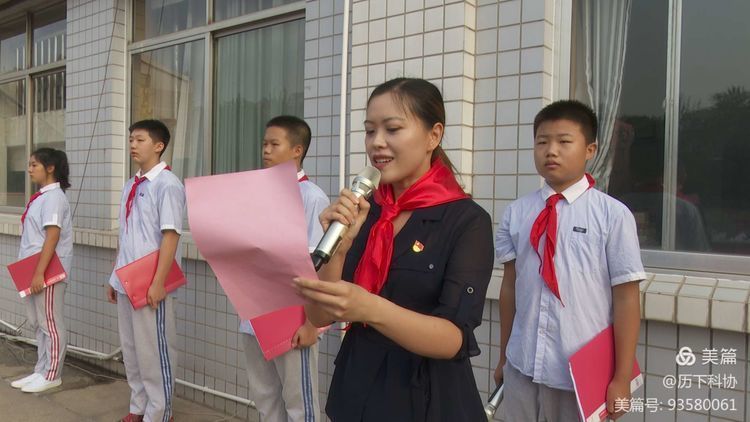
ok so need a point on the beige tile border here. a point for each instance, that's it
(675, 298)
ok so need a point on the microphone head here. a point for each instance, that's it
(366, 181)
(370, 173)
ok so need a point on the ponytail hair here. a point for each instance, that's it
(59, 160)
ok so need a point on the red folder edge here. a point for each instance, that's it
(275, 330)
(22, 271)
(136, 278)
(592, 374)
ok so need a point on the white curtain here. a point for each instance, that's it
(259, 74)
(605, 29)
(168, 85)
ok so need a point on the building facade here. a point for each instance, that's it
(667, 79)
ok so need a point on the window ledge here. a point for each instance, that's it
(685, 300)
(10, 225)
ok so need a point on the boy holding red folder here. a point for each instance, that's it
(285, 389)
(571, 268)
(151, 215)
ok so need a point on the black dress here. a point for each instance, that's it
(375, 379)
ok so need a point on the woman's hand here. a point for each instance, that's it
(342, 300)
(349, 210)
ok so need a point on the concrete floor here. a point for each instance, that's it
(87, 394)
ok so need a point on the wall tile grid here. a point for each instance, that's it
(95, 110)
(323, 46)
(431, 40)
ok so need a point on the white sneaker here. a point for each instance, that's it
(40, 384)
(20, 383)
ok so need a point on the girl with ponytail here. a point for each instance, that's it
(46, 230)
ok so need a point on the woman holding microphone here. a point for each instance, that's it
(410, 275)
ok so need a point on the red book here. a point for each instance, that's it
(592, 368)
(137, 276)
(23, 271)
(275, 330)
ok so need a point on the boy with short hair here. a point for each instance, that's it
(151, 215)
(286, 388)
(559, 292)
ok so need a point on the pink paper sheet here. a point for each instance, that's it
(250, 227)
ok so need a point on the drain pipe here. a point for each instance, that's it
(16, 330)
(216, 393)
(342, 105)
(93, 354)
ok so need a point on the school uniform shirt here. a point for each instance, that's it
(597, 249)
(441, 266)
(314, 201)
(49, 209)
(159, 205)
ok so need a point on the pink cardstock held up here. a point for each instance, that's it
(250, 227)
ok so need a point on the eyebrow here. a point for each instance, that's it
(386, 120)
(555, 135)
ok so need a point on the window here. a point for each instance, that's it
(258, 76)
(32, 93)
(13, 143)
(152, 18)
(216, 86)
(226, 9)
(168, 86)
(13, 46)
(670, 85)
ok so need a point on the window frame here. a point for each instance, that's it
(28, 74)
(667, 259)
(210, 34)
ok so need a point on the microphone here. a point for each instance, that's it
(363, 185)
(495, 398)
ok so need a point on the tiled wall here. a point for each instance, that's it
(433, 40)
(513, 81)
(323, 39)
(95, 110)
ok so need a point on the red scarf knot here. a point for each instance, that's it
(437, 186)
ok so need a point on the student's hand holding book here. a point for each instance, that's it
(37, 283)
(156, 293)
(306, 335)
(618, 397)
(111, 294)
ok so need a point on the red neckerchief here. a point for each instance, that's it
(437, 186)
(546, 222)
(131, 194)
(28, 204)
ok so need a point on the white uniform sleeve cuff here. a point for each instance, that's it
(626, 278)
(171, 227)
(507, 257)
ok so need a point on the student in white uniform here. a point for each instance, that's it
(47, 228)
(286, 388)
(572, 264)
(151, 214)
